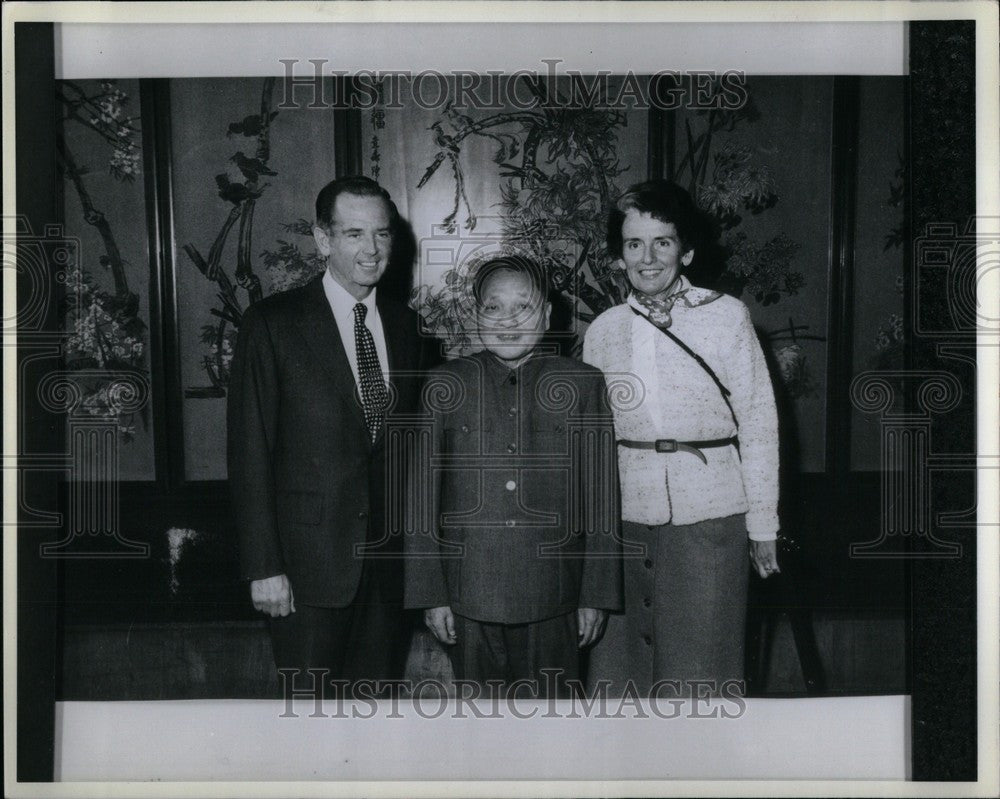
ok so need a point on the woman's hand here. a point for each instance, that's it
(764, 556)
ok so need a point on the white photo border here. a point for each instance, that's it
(687, 17)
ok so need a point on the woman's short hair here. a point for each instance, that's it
(662, 200)
(359, 186)
(519, 264)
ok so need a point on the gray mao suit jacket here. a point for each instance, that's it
(515, 516)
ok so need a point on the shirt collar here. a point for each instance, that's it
(340, 299)
(496, 366)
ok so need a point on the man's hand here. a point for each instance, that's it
(441, 622)
(590, 625)
(764, 556)
(273, 595)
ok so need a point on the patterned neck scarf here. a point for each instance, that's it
(659, 309)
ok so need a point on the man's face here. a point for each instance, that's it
(512, 316)
(358, 243)
(652, 252)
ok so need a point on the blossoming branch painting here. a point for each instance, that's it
(242, 184)
(245, 177)
(106, 307)
(561, 167)
(244, 173)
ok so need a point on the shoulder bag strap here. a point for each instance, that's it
(698, 359)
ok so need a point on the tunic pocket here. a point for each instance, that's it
(462, 439)
(549, 437)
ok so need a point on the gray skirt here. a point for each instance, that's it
(685, 611)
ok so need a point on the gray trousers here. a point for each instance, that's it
(685, 611)
(509, 653)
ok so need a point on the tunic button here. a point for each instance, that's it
(510, 522)
(648, 563)
(362, 515)
(647, 602)
(511, 485)
(512, 411)
(648, 640)
(465, 428)
(512, 447)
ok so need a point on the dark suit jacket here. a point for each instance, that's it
(308, 486)
(519, 521)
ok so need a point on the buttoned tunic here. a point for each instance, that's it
(516, 517)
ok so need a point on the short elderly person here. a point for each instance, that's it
(697, 454)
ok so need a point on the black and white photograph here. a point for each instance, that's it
(501, 399)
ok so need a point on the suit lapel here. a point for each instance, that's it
(322, 336)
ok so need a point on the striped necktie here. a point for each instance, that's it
(374, 396)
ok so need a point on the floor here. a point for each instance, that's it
(858, 652)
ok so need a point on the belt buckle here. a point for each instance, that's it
(666, 445)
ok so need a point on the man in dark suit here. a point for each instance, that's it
(317, 375)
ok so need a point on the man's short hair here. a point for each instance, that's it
(519, 264)
(357, 185)
(662, 200)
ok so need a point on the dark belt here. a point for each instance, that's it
(673, 445)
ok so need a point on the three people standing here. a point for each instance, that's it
(313, 374)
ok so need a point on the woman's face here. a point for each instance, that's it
(652, 252)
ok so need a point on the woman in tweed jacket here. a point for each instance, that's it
(698, 458)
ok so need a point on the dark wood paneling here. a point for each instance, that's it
(346, 130)
(42, 432)
(202, 585)
(165, 365)
(840, 315)
(173, 660)
(661, 145)
(943, 195)
(209, 587)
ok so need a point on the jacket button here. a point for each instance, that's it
(512, 447)
(465, 428)
(512, 411)
(647, 602)
(511, 485)
(510, 522)
(648, 563)
(648, 640)
(362, 515)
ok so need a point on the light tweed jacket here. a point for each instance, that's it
(659, 391)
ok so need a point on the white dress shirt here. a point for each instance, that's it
(342, 304)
